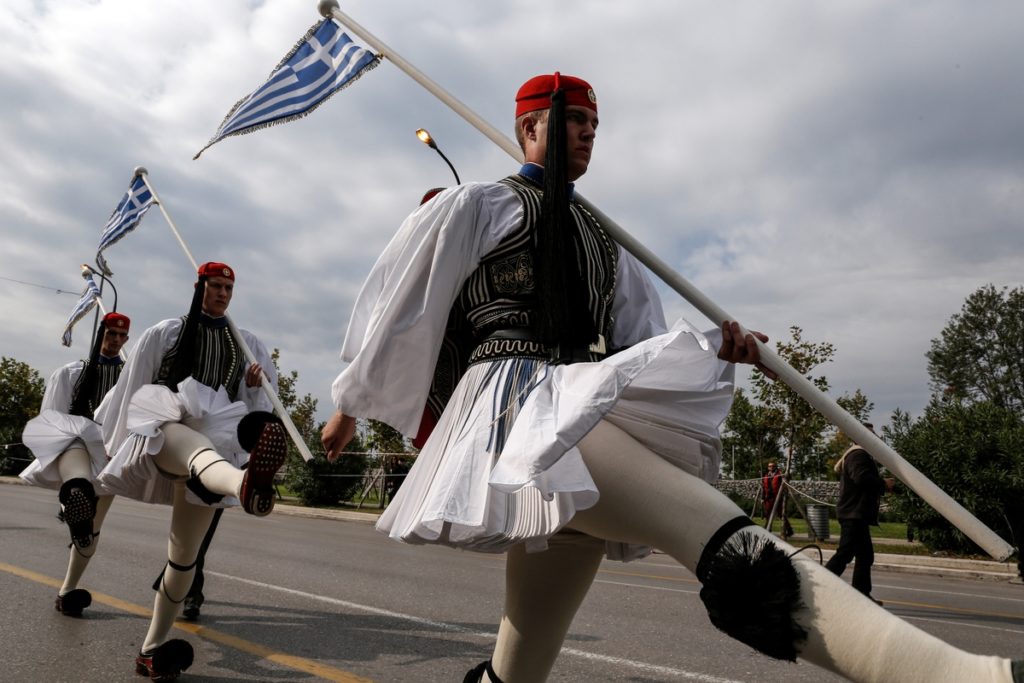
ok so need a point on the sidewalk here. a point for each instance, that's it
(952, 567)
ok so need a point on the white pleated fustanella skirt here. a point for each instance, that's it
(502, 467)
(132, 471)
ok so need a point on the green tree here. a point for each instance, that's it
(390, 451)
(800, 426)
(978, 356)
(383, 438)
(750, 439)
(21, 393)
(775, 423)
(836, 442)
(974, 451)
(317, 482)
(970, 440)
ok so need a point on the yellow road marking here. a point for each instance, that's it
(308, 666)
(960, 610)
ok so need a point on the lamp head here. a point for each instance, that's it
(425, 138)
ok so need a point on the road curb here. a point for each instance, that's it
(326, 513)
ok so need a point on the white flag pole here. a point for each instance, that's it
(907, 473)
(264, 383)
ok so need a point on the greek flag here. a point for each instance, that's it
(323, 62)
(130, 210)
(90, 295)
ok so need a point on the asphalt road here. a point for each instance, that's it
(297, 599)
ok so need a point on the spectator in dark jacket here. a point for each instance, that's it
(860, 490)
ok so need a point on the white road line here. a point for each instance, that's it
(960, 623)
(443, 626)
(1000, 598)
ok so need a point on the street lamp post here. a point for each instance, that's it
(425, 137)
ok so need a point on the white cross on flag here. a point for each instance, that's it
(323, 62)
(125, 218)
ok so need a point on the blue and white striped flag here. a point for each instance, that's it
(323, 62)
(130, 210)
(90, 295)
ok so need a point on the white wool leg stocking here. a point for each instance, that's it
(646, 500)
(186, 452)
(79, 558)
(75, 463)
(188, 526)
(529, 639)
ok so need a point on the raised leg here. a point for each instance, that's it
(646, 500)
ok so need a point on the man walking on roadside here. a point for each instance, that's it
(860, 491)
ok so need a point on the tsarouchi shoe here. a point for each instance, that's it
(78, 509)
(165, 662)
(192, 605)
(476, 674)
(265, 459)
(73, 602)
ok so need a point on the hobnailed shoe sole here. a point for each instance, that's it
(79, 511)
(266, 458)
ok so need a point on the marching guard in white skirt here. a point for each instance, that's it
(69, 452)
(186, 417)
(570, 424)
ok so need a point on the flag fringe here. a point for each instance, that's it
(293, 117)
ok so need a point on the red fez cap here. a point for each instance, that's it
(116, 321)
(536, 93)
(431, 193)
(216, 269)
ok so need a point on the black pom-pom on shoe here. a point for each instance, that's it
(251, 426)
(72, 603)
(166, 662)
(751, 591)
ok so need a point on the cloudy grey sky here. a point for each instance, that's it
(851, 167)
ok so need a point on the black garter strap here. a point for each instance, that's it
(476, 674)
(196, 486)
(181, 567)
(716, 542)
(173, 565)
(163, 586)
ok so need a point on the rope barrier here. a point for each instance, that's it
(810, 497)
(33, 284)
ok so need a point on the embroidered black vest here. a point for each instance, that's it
(106, 378)
(492, 315)
(217, 360)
